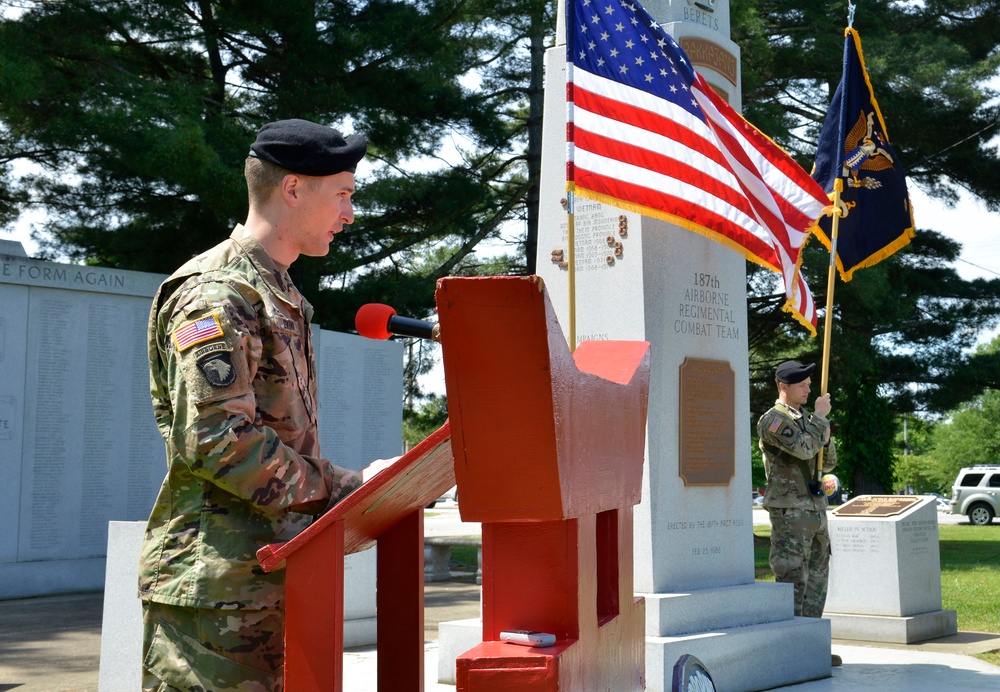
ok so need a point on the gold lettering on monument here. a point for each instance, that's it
(704, 53)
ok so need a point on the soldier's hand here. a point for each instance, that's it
(376, 466)
(823, 405)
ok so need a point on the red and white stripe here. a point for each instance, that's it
(723, 179)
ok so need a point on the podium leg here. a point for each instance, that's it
(314, 615)
(400, 602)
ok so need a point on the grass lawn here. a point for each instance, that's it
(464, 558)
(970, 574)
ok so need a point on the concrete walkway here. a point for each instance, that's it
(52, 644)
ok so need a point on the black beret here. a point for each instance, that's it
(793, 372)
(307, 148)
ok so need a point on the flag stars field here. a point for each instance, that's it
(662, 143)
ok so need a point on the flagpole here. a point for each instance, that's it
(831, 279)
(571, 262)
(838, 187)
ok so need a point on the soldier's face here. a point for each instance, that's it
(325, 208)
(798, 394)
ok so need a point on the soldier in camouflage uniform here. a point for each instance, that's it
(233, 383)
(790, 440)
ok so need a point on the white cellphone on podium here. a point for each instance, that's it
(528, 637)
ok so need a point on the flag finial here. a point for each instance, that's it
(850, 14)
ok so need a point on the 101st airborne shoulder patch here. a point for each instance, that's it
(216, 363)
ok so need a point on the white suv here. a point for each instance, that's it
(977, 493)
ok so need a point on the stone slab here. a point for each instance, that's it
(680, 614)
(897, 630)
(12, 248)
(743, 659)
(121, 628)
(455, 637)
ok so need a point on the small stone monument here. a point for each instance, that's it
(885, 574)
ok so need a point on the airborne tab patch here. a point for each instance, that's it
(187, 335)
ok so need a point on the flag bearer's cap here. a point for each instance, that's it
(793, 372)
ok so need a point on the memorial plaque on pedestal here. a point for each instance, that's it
(885, 571)
(707, 433)
(876, 506)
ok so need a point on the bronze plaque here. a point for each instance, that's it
(876, 506)
(707, 425)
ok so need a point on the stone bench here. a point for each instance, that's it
(437, 556)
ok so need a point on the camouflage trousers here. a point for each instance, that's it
(800, 555)
(205, 650)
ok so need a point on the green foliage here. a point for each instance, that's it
(758, 476)
(970, 436)
(915, 469)
(420, 422)
(135, 119)
(864, 439)
(914, 474)
(967, 435)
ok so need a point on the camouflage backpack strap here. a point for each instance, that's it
(805, 466)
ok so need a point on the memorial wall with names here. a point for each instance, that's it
(78, 443)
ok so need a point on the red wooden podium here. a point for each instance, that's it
(389, 510)
(548, 452)
(548, 449)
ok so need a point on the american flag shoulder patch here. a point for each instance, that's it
(197, 331)
(775, 424)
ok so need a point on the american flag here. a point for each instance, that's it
(195, 332)
(646, 133)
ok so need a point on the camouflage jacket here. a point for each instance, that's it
(790, 439)
(233, 383)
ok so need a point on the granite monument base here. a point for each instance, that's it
(742, 659)
(733, 631)
(897, 630)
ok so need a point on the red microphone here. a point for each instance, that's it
(380, 321)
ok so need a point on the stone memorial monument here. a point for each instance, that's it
(639, 278)
(79, 446)
(885, 573)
